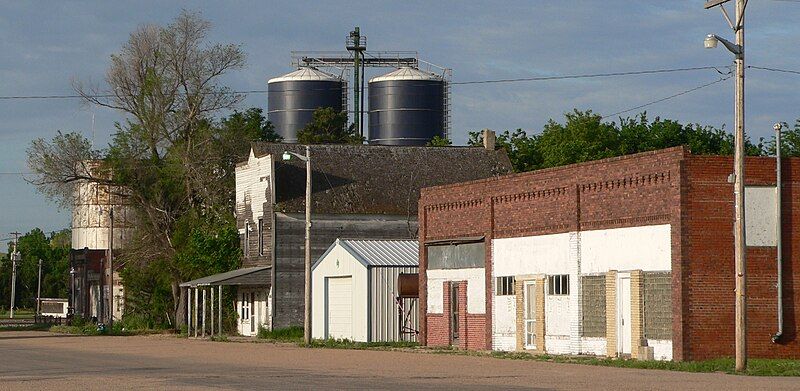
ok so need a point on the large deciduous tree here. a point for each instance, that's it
(329, 127)
(174, 160)
(585, 136)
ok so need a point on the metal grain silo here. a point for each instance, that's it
(406, 107)
(293, 97)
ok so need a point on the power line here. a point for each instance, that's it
(590, 75)
(668, 97)
(488, 81)
(775, 69)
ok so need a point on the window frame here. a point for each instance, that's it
(558, 285)
(504, 286)
(260, 236)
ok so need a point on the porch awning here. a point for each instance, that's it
(244, 276)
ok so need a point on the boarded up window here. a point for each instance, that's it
(593, 304)
(456, 256)
(658, 305)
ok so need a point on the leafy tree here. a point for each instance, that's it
(53, 250)
(790, 142)
(329, 127)
(169, 155)
(439, 141)
(584, 136)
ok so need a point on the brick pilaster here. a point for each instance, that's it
(540, 320)
(611, 313)
(637, 313)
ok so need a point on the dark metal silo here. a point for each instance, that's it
(406, 107)
(293, 97)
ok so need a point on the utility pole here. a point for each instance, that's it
(739, 240)
(14, 256)
(739, 228)
(39, 291)
(287, 155)
(307, 331)
(111, 269)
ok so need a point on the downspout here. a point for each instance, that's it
(778, 244)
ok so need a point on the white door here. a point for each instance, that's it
(624, 315)
(339, 307)
(245, 312)
(530, 315)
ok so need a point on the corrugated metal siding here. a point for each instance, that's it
(383, 312)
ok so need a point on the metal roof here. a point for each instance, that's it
(305, 74)
(244, 276)
(379, 252)
(406, 73)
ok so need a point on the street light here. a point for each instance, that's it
(739, 243)
(287, 155)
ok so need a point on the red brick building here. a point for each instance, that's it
(628, 255)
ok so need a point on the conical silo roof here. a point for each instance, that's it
(305, 74)
(406, 73)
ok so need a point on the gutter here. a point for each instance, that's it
(778, 244)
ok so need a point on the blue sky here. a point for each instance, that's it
(46, 45)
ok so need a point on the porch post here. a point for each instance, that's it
(219, 304)
(211, 311)
(203, 334)
(188, 311)
(195, 312)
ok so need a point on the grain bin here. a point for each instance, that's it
(406, 107)
(293, 97)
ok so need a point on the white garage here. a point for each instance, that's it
(355, 293)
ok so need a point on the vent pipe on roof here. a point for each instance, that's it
(489, 139)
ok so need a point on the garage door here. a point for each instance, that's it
(340, 307)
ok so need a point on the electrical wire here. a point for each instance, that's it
(775, 69)
(669, 97)
(488, 81)
(590, 75)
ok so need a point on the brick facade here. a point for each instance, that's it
(671, 186)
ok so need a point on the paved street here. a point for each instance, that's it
(40, 360)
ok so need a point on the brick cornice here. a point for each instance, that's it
(627, 221)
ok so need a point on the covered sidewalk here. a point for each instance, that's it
(202, 288)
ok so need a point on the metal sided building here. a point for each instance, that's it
(355, 293)
(623, 257)
(358, 191)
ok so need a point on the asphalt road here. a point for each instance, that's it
(40, 360)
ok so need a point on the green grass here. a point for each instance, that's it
(348, 344)
(91, 329)
(289, 334)
(756, 367)
(18, 314)
(27, 327)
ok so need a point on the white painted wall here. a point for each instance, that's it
(759, 207)
(662, 349)
(556, 315)
(545, 254)
(504, 323)
(253, 181)
(558, 344)
(339, 263)
(594, 345)
(647, 248)
(476, 288)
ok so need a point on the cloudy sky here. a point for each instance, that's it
(46, 45)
